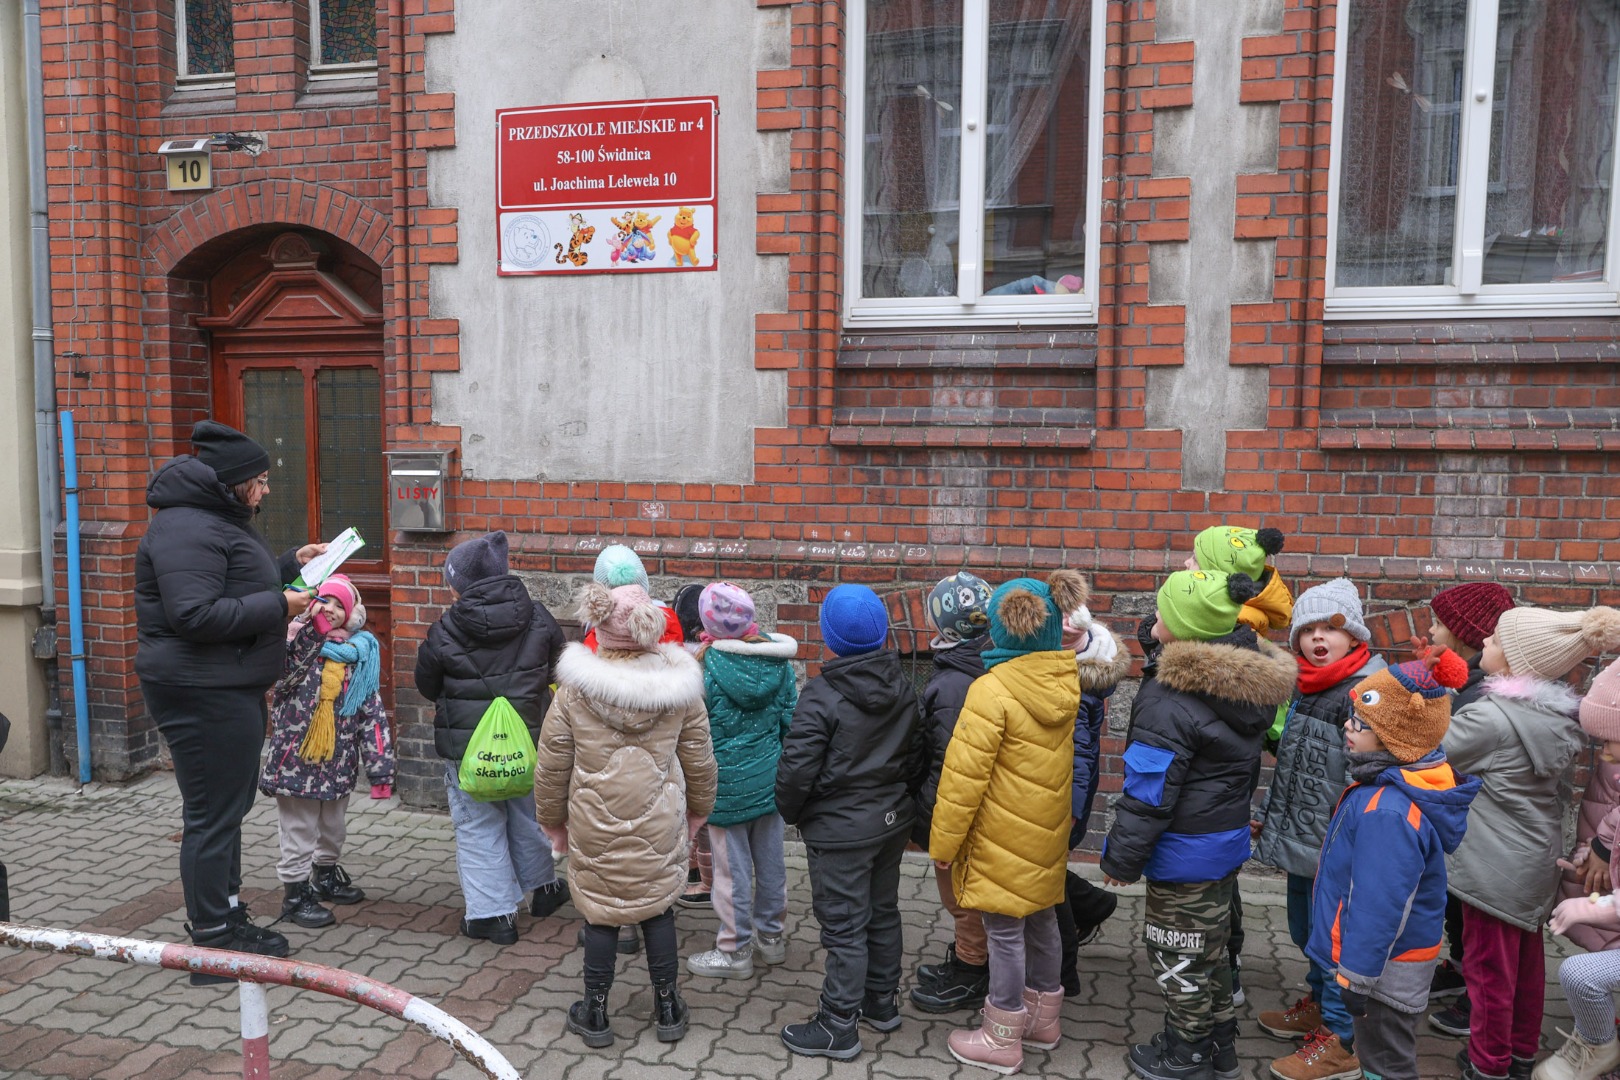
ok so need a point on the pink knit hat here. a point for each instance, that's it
(342, 592)
(625, 618)
(727, 611)
(1600, 708)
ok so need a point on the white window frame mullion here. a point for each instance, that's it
(975, 125)
(1474, 148)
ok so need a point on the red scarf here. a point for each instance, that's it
(1313, 679)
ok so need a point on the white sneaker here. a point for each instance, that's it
(1578, 1059)
(722, 965)
(771, 950)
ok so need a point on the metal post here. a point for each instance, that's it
(255, 1031)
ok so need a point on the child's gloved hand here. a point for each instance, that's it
(382, 791)
(1355, 1004)
(1581, 911)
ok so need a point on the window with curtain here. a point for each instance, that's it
(343, 37)
(205, 42)
(974, 160)
(1474, 157)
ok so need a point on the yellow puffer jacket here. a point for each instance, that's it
(1002, 818)
(1273, 609)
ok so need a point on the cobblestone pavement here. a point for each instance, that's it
(105, 860)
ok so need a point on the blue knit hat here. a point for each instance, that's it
(1026, 615)
(853, 620)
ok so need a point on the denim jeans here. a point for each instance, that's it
(1324, 984)
(750, 880)
(500, 851)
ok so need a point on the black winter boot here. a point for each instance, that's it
(955, 985)
(252, 938)
(1169, 1057)
(548, 898)
(932, 973)
(1090, 906)
(881, 1012)
(333, 884)
(669, 1012)
(302, 905)
(497, 929)
(588, 1019)
(826, 1034)
(1227, 1066)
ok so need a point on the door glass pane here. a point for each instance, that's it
(1403, 86)
(351, 469)
(273, 414)
(348, 32)
(1036, 150)
(210, 37)
(1552, 141)
(912, 148)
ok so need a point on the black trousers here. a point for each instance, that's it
(602, 944)
(214, 736)
(5, 896)
(855, 894)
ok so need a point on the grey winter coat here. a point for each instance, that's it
(1309, 777)
(1520, 738)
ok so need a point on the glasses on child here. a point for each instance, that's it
(1356, 724)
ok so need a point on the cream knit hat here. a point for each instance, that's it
(1548, 644)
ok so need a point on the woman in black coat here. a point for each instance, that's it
(211, 612)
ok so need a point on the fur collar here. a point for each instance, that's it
(665, 678)
(780, 647)
(1553, 697)
(1098, 677)
(1229, 672)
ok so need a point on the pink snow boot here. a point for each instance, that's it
(996, 1045)
(1045, 1026)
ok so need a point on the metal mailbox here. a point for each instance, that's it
(416, 489)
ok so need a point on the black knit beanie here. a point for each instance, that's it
(232, 455)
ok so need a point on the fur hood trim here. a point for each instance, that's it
(1554, 697)
(1098, 677)
(664, 678)
(1229, 672)
(780, 647)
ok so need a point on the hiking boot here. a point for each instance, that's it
(548, 898)
(1226, 1064)
(301, 904)
(719, 964)
(332, 884)
(996, 1044)
(881, 1012)
(1453, 1019)
(1298, 1020)
(497, 929)
(954, 985)
(1044, 1028)
(588, 1019)
(670, 1013)
(770, 948)
(1321, 1057)
(826, 1034)
(253, 938)
(1447, 981)
(1167, 1056)
(1577, 1059)
(629, 943)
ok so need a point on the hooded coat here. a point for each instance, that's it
(855, 755)
(1272, 609)
(1003, 813)
(1097, 682)
(622, 758)
(954, 671)
(1192, 753)
(1380, 896)
(750, 690)
(1520, 738)
(208, 605)
(362, 739)
(1598, 827)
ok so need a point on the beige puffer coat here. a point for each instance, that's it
(623, 755)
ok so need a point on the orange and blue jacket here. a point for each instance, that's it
(1378, 909)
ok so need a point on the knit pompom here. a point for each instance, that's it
(595, 602)
(1600, 627)
(1270, 540)
(1069, 590)
(646, 624)
(1450, 670)
(1023, 613)
(1241, 588)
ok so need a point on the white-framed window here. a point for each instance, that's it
(204, 44)
(974, 151)
(1473, 159)
(342, 38)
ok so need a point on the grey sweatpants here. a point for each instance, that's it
(1386, 1042)
(312, 831)
(1023, 952)
(1589, 982)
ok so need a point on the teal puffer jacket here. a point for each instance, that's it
(750, 689)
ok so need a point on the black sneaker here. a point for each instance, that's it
(670, 1013)
(629, 942)
(1447, 982)
(931, 973)
(1521, 1068)
(548, 898)
(1169, 1057)
(1453, 1019)
(826, 1034)
(253, 938)
(333, 884)
(229, 937)
(587, 1018)
(1470, 1071)
(881, 1012)
(955, 986)
(1226, 1063)
(303, 906)
(497, 929)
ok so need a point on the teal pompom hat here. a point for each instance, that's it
(617, 565)
(1026, 615)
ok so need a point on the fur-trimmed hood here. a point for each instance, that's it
(630, 690)
(1099, 677)
(1230, 670)
(751, 674)
(780, 646)
(1554, 697)
(1534, 708)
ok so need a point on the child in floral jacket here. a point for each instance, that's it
(327, 722)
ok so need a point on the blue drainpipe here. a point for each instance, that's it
(81, 689)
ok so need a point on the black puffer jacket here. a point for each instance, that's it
(1193, 749)
(954, 671)
(495, 641)
(208, 605)
(1473, 688)
(855, 757)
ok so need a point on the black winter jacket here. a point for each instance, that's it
(1473, 688)
(495, 641)
(1191, 756)
(954, 671)
(208, 605)
(855, 756)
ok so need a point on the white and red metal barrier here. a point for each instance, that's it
(252, 973)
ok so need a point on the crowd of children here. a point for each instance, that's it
(1407, 804)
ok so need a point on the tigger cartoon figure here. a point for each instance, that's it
(582, 235)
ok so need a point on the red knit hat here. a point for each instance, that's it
(1470, 611)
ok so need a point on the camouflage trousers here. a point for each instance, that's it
(1186, 934)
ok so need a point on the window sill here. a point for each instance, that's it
(846, 431)
(200, 100)
(328, 92)
(1465, 440)
(1602, 305)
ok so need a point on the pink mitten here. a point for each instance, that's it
(382, 791)
(1582, 910)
